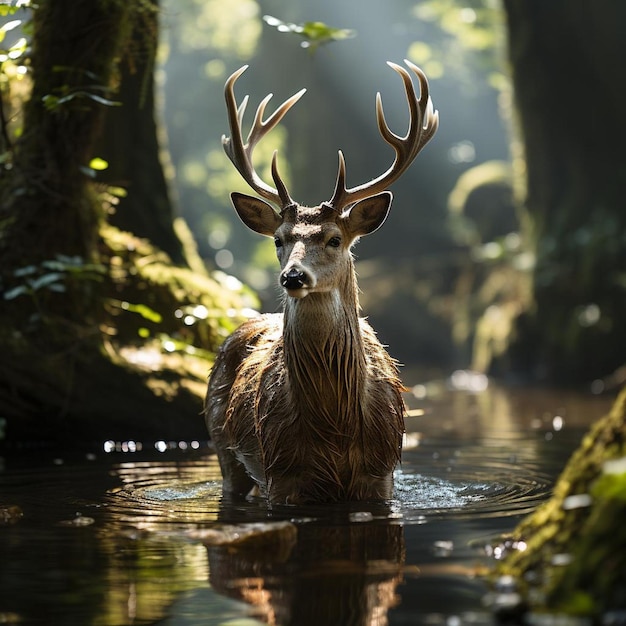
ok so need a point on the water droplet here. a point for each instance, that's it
(561, 559)
(577, 501)
(615, 466)
(79, 521)
(505, 584)
(443, 548)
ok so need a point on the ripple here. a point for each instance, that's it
(486, 480)
(166, 492)
(440, 478)
(432, 482)
(461, 497)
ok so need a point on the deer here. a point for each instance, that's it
(306, 406)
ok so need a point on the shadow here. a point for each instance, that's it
(335, 571)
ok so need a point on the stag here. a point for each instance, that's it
(306, 405)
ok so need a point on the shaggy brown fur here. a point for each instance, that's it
(302, 428)
(307, 405)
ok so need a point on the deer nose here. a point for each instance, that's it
(293, 279)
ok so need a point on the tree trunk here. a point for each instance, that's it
(47, 208)
(83, 306)
(132, 146)
(565, 57)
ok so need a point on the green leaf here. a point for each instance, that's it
(101, 100)
(29, 270)
(45, 280)
(57, 266)
(145, 311)
(98, 164)
(5, 28)
(15, 292)
(18, 49)
(315, 33)
(73, 265)
(50, 102)
(118, 192)
(320, 32)
(75, 259)
(11, 8)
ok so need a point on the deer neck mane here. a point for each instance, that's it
(323, 350)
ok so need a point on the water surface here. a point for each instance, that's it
(128, 532)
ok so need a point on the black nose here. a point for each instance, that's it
(293, 279)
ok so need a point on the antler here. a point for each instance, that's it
(241, 154)
(422, 126)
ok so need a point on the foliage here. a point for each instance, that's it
(151, 342)
(13, 72)
(52, 275)
(148, 297)
(315, 34)
(54, 102)
(474, 26)
(493, 287)
(224, 29)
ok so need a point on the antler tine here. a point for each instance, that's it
(423, 123)
(241, 154)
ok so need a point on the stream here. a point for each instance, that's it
(138, 532)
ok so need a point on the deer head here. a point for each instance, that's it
(313, 244)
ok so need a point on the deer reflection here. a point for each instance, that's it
(333, 573)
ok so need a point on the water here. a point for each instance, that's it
(134, 537)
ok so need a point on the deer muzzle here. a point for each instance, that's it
(293, 279)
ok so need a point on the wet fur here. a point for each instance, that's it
(307, 405)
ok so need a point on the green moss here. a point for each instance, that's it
(137, 368)
(194, 308)
(578, 553)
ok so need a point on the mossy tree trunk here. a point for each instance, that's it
(47, 207)
(71, 351)
(575, 544)
(565, 57)
(133, 144)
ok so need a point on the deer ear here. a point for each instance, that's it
(256, 214)
(369, 214)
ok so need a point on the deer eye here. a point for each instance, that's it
(277, 242)
(334, 242)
